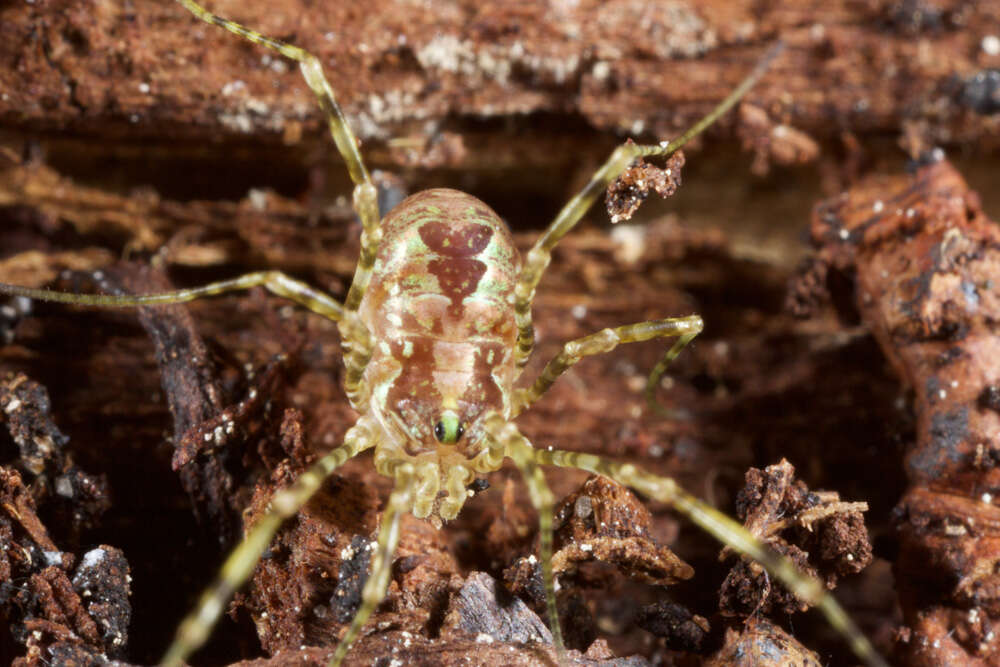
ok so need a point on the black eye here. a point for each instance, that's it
(439, 431)
(461, 430)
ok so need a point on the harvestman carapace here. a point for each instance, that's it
(435, 329)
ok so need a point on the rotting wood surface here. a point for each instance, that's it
(144, 72)
(926, 262)
(131, 131)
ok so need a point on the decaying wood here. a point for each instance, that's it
(926, 261)
(129, 132)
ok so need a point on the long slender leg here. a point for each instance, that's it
(728, 532)
(685, 328)
(520, 450)
(540, 254)
(378, 580)
(353, 332)
(195, 628)
(274, 281)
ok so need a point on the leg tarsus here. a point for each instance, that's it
(685, 328)
(312, 72)
(195, 628)
(728, 532)
(660, 368)
(540, 254)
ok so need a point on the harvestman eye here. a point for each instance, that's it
(453, 257)
(448, 433)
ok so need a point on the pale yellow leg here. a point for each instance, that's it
(378, 580)
(685, 328)
(274, 281)
(540, 254)
(353, 333)
(728, 532)
(517, 447)
(195, 628)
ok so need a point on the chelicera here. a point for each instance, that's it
(436, 328)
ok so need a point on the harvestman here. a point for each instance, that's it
(435, 329)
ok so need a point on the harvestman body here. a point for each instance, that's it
(435, 329)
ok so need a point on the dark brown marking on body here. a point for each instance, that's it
(458, 277)
(456, 239)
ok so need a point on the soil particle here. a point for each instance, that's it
(762, 644)
(821, 534)
(681, 630)
(603, 521)
(481, 606)
(627, 192)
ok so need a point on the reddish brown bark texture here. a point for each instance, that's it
(926, 260)
(132, 442)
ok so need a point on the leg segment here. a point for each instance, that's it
(685, 328)
(378, 580)
(365, 200)
(520, 450)
(728, 532)
(195, 628)
(274, 281)
(540, 254)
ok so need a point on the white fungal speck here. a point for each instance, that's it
(258, 199)
(233, 87)
(878, 206)
(579, 311)
(483, 638)
(990, 45)
(93, 557)
(144, 88)
(986, 498)
(942, 394)
(630, 242)
(844, 234)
